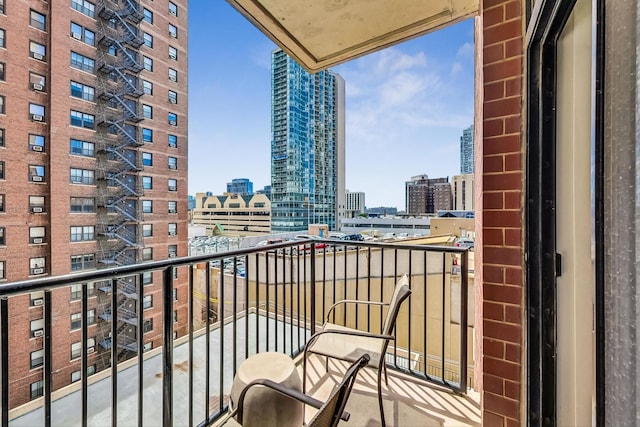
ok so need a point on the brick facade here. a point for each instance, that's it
(502, 183)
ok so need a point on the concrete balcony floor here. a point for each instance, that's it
(408, 401)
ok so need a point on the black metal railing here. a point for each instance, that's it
(238, 303)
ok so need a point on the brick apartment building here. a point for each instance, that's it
(93, 170)
(425, 195)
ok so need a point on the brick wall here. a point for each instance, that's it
(502, 215)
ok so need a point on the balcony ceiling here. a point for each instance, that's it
(323, 33)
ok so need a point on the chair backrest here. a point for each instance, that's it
(329, 414)
(400, 293)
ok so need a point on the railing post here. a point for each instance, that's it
(167, 347)
(312, 297)
(464, 293)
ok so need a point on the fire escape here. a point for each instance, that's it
(118, 164)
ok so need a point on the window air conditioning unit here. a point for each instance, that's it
(36, 86)
(173, 78)
(172, 233)
(173, 100)
(76, 36)
(37, 117)
(38, 301)
(38, 56)
(37, 148)
(173, 123)
(174, 57)
(38, 333)
(172, 145)
(37, 240)
(173, 188)
(172, 255)
(36, 178)
(172, 211)
(37, 209)
(90, 350)
(173, 167)
(37, 270)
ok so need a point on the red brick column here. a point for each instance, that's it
(502, 181)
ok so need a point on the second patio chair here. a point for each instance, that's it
(344, 343)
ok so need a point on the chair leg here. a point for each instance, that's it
(386, 378)
(304, 372)
(383, 423)
(326, 364)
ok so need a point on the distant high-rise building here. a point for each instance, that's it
(307, 147)
(424, 195)
(466, 151)
(191, 202)
(240, 186)
(462, 187)
(354, 203)
(266, 191)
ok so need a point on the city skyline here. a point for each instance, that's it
(406, 106)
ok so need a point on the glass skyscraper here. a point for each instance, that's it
(307, 146)
(466, 151)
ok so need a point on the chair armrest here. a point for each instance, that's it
(286, 391)
(354, 332)
(353, 301)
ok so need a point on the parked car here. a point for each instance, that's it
(465, 243)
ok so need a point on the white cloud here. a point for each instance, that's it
(465, 51)
(456, 68)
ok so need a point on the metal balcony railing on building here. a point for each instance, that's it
(238, 303)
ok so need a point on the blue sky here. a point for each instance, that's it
(406, 106)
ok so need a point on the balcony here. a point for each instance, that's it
(242, 302)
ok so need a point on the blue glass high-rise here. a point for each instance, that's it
(307, 146)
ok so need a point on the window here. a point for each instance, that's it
(36, 204)
(82, 176)
(76, 350)
(173, 9)
(37, 235)
(83, 262)
(148, 63)
(173, 206)
(173, 251)
(36, 173)
(2, 100)
(173, 229)
(148, 15)
(147, 206)
(76, 321)
(36, 142)
(78, 32)
(2, 209)
(147, 301)
(172, 185)
(147, 277)
(148, 39)
(36, 298)
(3, 240)
(1, 137)
(82, 91)
(82, 62)
(37, 82)
(2, 270)
(173, 75)
(147, 87)
(83, 205)
(175, 294)
(147, 230)
(173, 31)
(76, 290)
(147, 135)
(3, 38)
(147, 111)
(36, 328)
(37, 265)
(3, 76)
(81, 119)
(147, 159)
(148, 325)
(82, 233)
(37, 389)
(75, 376)
(172, 119)
(84, 6)
(36, 50)
(36, 112)
(147, 254)
(173, 53)
(173, 141)
(175, 316)
(38, 21)
(1, 169)
(2, 7)
(172, 162)
(81, 148)
(173, 97)
(147, 183)
(37, 359)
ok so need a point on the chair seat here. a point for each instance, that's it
(346, 347)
